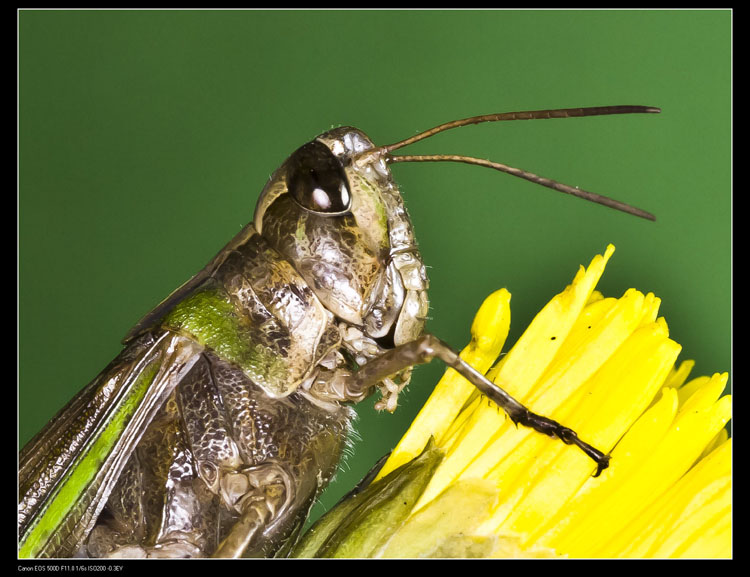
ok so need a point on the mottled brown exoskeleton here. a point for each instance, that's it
(224, 417)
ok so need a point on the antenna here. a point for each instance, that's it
(525, 115)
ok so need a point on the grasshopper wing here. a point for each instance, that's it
(68, 470)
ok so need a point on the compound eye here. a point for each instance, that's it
(317, 181)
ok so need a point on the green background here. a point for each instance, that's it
(146, 136)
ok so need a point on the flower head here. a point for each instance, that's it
(464, 481)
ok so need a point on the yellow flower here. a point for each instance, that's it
(464, 481)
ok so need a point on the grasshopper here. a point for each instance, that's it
(225, 415)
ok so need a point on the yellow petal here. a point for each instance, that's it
(650, 309)
(591, 343)
(669, 521)
(702, 390)
(624, 386)
(595, 296)
(541, 341)
(701, 531)
(478, 431)
(678, 376)
(715, 540)
(705, 396)
(663, 464)
(720, 438)
(458, 427)
(581, 519)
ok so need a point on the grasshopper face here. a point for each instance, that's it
(333, 210)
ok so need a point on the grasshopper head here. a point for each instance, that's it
(333, 210)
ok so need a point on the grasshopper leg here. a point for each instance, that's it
(266, 502)
(428, 347)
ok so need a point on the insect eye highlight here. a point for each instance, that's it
(317, 181)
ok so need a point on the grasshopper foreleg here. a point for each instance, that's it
(427, 347)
